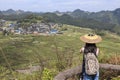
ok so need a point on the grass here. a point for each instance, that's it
(22, 51)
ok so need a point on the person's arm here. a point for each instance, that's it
(97, 52)
(82, 50)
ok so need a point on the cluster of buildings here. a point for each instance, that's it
(34, 28)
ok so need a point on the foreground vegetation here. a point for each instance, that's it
(53, 53)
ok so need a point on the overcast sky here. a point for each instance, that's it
(59, 5)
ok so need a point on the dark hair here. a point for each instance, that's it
(92, 48)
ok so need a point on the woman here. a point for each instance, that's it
(90, 47)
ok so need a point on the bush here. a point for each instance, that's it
(47, 74)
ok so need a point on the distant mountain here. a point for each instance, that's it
(102, 16)
(58, 13)
(1, 13)
(107, 20)
(112, 17)
(116, 14)
(13, 12)
(103, 20)
(9, 12)
(19, 11)
(99, 16)
(79, 13)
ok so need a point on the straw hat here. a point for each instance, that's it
(91, 38)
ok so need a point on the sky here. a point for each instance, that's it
(59, 5)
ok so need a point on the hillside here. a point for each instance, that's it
(52, 53)
(103, 20)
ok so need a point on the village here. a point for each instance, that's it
(34, 28)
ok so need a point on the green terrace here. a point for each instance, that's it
(52, 54)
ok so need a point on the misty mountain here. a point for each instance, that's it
(1, 14)
(111, 17)
(9, 12)
(103, 20)
(17, 12)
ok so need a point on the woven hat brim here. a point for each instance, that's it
(91, 40)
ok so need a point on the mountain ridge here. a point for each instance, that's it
(103, 20)
(65, 12)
